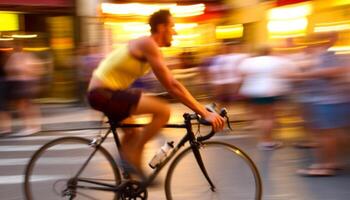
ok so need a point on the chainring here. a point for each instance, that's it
(133, 191)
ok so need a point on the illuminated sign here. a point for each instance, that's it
(9, 22)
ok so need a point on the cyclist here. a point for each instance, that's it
(109, 87)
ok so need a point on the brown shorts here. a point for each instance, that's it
(116, 105)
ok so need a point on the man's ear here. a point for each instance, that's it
(160, 28)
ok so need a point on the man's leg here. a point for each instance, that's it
(160, 112)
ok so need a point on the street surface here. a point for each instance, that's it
(277, 167)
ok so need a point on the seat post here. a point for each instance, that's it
(114, 126)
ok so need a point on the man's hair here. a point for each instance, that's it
(159, 17)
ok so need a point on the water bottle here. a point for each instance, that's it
(161, 154)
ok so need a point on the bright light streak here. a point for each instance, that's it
(187, 11)
(342, 52)
(188, 36)
(36, 48)
(6, 39)
(229, 31)
(24, 36)
(288, 35)
(332, 26)
(289, 48)
(181, 26)
(6, 49)
(140, 26)
(339, 48)
(287, 26)
(290, 12)
(148, 9)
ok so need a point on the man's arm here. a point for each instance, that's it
(175, 88)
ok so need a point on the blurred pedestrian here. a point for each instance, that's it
(224, 75)
(88, 59)
(304, 61)
(5, 124)
(263, 88)
(330, 108)
(23, 72)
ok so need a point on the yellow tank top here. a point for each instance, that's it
(120, 69)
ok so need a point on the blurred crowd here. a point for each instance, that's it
(313, 77)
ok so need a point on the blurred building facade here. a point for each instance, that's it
(46, 28)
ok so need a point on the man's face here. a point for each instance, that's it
(169, 31)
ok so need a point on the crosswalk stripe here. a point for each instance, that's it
(18, 179)
(47, 137)
(48, 161)
(36, 147)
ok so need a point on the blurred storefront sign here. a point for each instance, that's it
(289, 20)
(9, 21)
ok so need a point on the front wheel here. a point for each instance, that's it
(233, 174)
(53, 169)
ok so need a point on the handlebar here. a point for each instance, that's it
(211, 108)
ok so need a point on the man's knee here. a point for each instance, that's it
(164, 112)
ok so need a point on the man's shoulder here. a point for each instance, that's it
(141, 41)
(143, 44)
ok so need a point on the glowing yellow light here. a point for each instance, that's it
(341, 2)
(9, 22)
(187, 11)
(342, 52)
(148, 9)
(238, 152)
(289, 12)
(286, 26)
(332, 26)
(289, 48)
(318, 42)
(136, 27)
(180, 26)
(6, 39)
(140, 26)
(24, 36)
(229, 31)
(36, 48)
(339, 48)
(288, 35)
(187, 36)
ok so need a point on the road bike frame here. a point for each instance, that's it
(189, 137)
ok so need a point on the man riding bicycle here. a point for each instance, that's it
(109, 90)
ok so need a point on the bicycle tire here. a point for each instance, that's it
(236, 164)
(69, 147)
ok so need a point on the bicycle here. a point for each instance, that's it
(104, 179)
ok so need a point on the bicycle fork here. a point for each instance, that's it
(195, 148)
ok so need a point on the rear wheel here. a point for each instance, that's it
(51, 172)
(232, 172)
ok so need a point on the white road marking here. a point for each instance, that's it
(17, 179)
(15, 148)
(48, 161)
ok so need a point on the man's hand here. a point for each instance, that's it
(217, 122)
